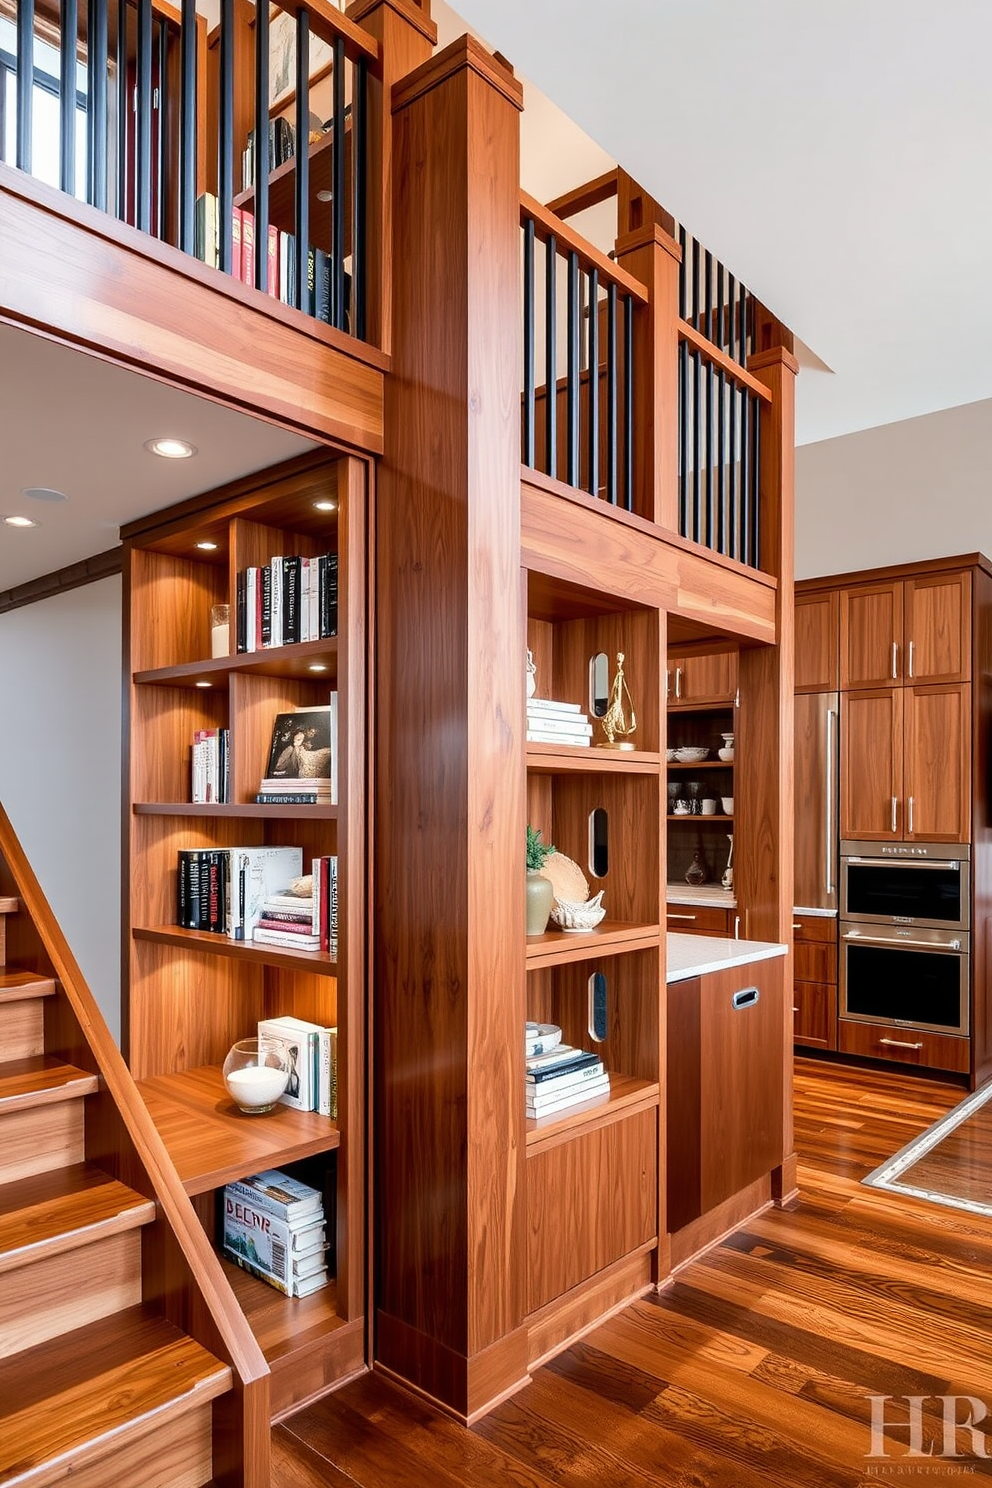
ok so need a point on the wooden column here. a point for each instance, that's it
(406, 36)
(449, 1001)
(764, 752)
(652, 256)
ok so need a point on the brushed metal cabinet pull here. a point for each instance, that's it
(909, 661)
(900, 1043)
(672, 916)
(909, 816)
(895, 808)
(895, 660)
(678, 682)
(745, 998)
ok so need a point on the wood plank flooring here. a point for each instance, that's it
(756, 1367)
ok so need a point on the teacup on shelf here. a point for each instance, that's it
(728, 805)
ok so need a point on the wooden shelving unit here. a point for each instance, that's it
(703, 724)
(190, 994)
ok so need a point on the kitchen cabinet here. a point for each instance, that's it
(693, 680)
(725, 1085)
(817, 740)
(906, 764)
(703, 919)
(906, 631)
(814, 1000)
(818, 642)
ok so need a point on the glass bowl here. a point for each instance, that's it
(256, 1073)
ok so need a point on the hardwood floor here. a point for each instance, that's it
(755, 1367)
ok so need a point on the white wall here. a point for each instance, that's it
(917, 489)
(60, 766)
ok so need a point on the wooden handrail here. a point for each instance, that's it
(546, 225)
(329, 25)
(724, 363)
(240, 1345)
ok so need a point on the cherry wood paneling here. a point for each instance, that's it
(911, 1046)
(871, 635)
(937, 763)
(817, 746)
(818, 928)
(937, 610)
(818, 642)
(871, 769)
(816, 961)
(700, 919)
(815, 1013)
(576, 1227)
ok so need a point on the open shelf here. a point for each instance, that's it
(233, 809)
(697, 816)
(626, 1096)
(211, 1142)
(554, 759)
(276, 661)
(557, 947)
(320, 962)
(701, 765)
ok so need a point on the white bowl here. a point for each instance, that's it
(568, 916)
(690, 755)
(727, 803)
(725, 754)
(671, 755)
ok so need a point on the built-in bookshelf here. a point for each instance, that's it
(190, 994)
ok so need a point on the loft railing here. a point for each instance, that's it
(719, 416)
(151, 118)
(579, 309)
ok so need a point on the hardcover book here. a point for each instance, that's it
(301, 745)
(256, 873)
(280, 1194)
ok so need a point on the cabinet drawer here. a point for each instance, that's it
(814, 963)
(814, 1011)
(701, 919)
(590, 1202)
(815, 927)
(904, 1045)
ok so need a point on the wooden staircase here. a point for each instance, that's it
(124, 1359)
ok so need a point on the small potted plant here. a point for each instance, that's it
(540, 893)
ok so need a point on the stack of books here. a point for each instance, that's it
(209, 766)
(312, 1052)
(287, 600)
(562, 1078)
(549, 722)
(274, 1227)
(302, 768)
(307, 921)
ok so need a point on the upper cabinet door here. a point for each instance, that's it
(694, 680)
(871, 636)
(817, 642)
(871, 762)
(938, 628)
(938, 763)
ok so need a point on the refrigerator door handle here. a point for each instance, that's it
(828, 855)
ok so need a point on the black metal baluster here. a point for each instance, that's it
(337, 206)
(143, 120)
(756, 468)
(611, 394)
(97, 49)
(529, 454)
(730, 315)
(25, 83)
(359, 83)
(572, 374)
(550, 357)
(263, 164)
(695, 284)
(742, 328)
(721, 503)
(301, 247)
(163, 127)
(123, 95)
(68, 31)
(682, 271)
(744, 544)
(594, 382)
(683, 394)
(187, 127)
(628, 403)
(697, 454)
(225, 138)
(732, 474)
(708, 333)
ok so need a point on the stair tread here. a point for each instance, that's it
(42, 1078)
(54, 1211)
(86, 1391)
(16, 984)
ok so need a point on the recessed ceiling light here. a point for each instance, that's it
(43, 493)
(203, 684)
(20, 522)
(170, 449)
(208, 547)
(325, 505)
(317, 666)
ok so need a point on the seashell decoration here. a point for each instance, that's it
(586, 916)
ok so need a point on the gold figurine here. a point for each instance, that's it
(618, 725)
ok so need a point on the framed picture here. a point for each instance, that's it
(282, 56)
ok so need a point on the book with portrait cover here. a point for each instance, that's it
(304, 748)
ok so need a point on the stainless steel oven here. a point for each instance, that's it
(906, 975)
(906, 883)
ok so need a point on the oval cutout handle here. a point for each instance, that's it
(745, 998)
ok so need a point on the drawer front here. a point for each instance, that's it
(814, 1011)
(700, 919)
(815, 927)
(814, 963)
(904, 1045)
(590, 1202)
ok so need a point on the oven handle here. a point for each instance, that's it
(953, 863)
(887, 940)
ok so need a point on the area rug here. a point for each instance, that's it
(950, 1163)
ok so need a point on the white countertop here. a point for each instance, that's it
(821, 914)
(696, 955)
(682, 893)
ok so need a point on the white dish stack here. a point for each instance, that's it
(549, 722)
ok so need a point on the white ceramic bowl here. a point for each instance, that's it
(725, 754)
(690, 755)
(728, 805)
(585, 916)
(671, 755)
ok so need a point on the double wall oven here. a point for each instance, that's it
(905, 936)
